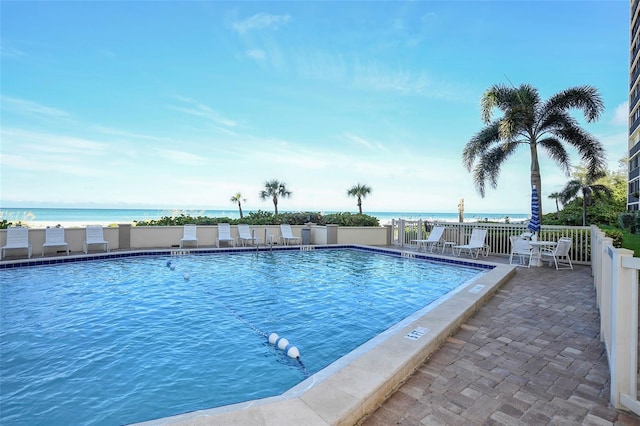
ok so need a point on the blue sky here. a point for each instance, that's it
(182, 104)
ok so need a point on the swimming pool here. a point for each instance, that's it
(108, 342)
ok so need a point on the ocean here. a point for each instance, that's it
(69, 216)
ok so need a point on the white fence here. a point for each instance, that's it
(404, 231)
(615, 273)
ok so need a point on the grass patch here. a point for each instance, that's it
(629, 241)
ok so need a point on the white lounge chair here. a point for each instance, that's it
(433, 240)
(17, 238)
(54, 237)
(189, 235)
(520, 247)
(559, 254)
(476, 243)
(245, 236)
(94, 234)
(287, 235)
(224, 234)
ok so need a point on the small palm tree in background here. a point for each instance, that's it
(238, 199)
(360, 191)
(585, 184)
(556, 196)
(529, 122)
(274, 189)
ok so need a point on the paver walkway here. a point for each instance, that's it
(531, 356)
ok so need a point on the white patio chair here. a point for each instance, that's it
(559, 254)
(433, 240)
(54, 237)
(520, 248)
(17, 238)
(287, 234)
(476, 243)
(224, 235)
(246, 236)
(94, 234)
(189, 234)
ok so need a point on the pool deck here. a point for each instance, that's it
(531, 356)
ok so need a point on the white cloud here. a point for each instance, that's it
(204, 111)
(621, 114)
(182, 157)
(364, 142)
(35, 142)
(260, 21)
(257, 54)
(10, 52)
(23, 106)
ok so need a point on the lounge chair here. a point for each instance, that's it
(54, 237)
(189, 235)
(476, 243)
(520, 247)
(224, 234)
(17, 238)
(94, 234)
(245, 236)
(287, 236)
(434, 239)
(559, 254)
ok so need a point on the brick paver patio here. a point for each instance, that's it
(531, 356)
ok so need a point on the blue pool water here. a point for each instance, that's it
(126, 340)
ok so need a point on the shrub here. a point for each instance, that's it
(615, 235)
(266, 218)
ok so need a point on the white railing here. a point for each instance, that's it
(615, 273)
(404, 232)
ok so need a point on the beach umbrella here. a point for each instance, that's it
(534, 222)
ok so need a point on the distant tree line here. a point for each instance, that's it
(267, 218)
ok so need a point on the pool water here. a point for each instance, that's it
(126, 340)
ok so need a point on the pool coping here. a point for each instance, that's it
(363, 382)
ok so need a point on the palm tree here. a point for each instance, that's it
(237, 199)
(556, 196)
(360, 191)
(274, 189)
(585, 184)
(529, 121)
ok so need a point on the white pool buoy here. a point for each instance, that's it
(283, 344)
(186, 277)
(172, 267)
(272, 338)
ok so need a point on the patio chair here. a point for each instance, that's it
(189, 235)
(559, 254)
(17, 238)
(245, 236)
(476, 243)
(433, 240)
(94, 234)
(287, 234)
(520, 247)
(224, 234)
(54, 237)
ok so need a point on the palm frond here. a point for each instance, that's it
(585, 98)
(480, 143)
(493, 159)
(557, 152)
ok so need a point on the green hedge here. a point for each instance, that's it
(266, 218)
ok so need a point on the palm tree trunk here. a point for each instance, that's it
(360, 204)
(275, 204)
(584, 211)
(536, 180)
(240, 208)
